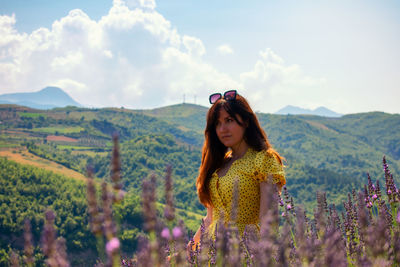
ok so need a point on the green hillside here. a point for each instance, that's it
(341, 150)
(322, 154)
(377, 129)
(27, 192)
(189, 117)
(313, 142)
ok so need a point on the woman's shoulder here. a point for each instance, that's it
(262, 154)
(266, 159)
(254, 158)
(267, 162)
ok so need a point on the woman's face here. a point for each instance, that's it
(229, 132)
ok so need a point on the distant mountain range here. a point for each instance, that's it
(52, 97)
(321, 111)
(47, 98)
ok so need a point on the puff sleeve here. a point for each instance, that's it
(267, 164)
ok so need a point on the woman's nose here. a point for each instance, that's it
(222, 127)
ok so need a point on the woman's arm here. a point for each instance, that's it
(207, 222)
(264, 191)
(263, 199)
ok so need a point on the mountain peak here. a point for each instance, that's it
(320, 111)
(47, 98)
(51, 89)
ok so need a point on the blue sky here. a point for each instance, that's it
(143, 53)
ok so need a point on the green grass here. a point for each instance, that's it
(2, 145)
(192, 220)
(87, 115)
(90, 153)
(6, 141)
(109, 144)
(64, 147)
(58, 129)
(7, 144)
(31, 115)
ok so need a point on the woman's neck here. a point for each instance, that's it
(239, 150)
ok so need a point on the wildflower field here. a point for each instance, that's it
(367, 233)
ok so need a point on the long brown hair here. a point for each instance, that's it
(214, 152)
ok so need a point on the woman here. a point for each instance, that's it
(236, 152)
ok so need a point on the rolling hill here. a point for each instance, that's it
(322, 153)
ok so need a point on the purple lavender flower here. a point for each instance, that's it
(116, 170)
(14, 259)
(192, 252)
(165, 233)
(378, 189)
(169, 211)
(177, 232)
(112, 246)
(49, 235)
(371, 187)
(108, 223)
(367, 238)
(28, 246)
(93, 208)
(54, 249)
(398, 217)
(148, 202)
(61, 248)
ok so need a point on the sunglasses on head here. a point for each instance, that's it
(228, 95)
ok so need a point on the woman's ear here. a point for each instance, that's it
(246, 123)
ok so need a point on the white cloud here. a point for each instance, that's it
(194, 46)
(150, 4)
(126, 58)
(108, 53)
(7, 31)
(134, 57)
(69, 61)
(120, 17)
(273, 84)
(67, 83)
(225, 49)
(76, 30)
(270, 56)
(192, 77)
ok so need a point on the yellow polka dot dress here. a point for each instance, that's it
(248, 171)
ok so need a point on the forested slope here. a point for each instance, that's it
(26, 192)
(322, 154)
